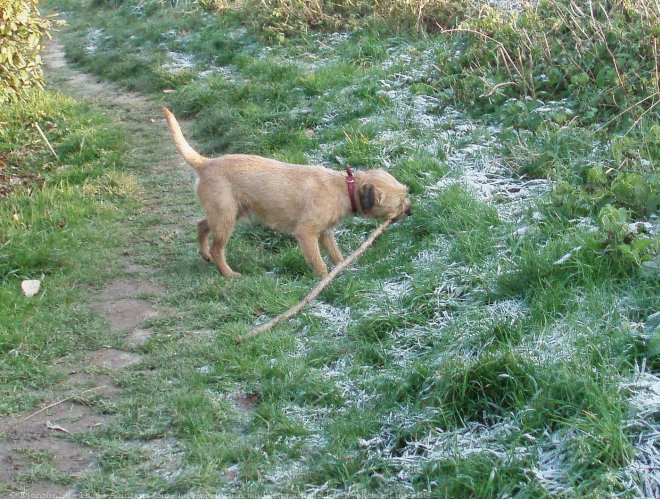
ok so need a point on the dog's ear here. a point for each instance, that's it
(367, 197)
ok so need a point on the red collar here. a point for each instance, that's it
(350, 181)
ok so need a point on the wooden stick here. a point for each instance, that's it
(59, 402)
(319, 287)
(43, 136)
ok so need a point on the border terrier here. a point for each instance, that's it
(302, 200)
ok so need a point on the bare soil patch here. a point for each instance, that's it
(128, 287)
(247, 401)
(120, 303)
(36, 451)
(102, 385)
(126, 314)
(111, 358)
(137, 338)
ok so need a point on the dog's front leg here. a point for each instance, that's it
(329, 243)
(218, 255)
(309, 244)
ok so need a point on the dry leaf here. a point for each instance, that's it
(564, 259)
(567, 256)
(52, 426)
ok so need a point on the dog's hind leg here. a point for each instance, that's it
(203, 231)
(309, 244)
(329, 243)
(222, 226)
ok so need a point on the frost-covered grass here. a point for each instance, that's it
(489, 345)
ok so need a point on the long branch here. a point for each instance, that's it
(61, 401)
(319, 287)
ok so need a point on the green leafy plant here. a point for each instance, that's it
(283, 18)
(620, 239)
(563, 49)
(22, 30)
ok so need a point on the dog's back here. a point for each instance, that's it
(280, 194)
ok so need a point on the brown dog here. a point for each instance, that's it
(305, 201)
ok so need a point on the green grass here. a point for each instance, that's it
(59, 227)
(465, 355)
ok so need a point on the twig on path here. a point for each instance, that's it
(59, 402)
(52, 426)
(319, 287)
(43, 136)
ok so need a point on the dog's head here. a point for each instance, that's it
(382, 196)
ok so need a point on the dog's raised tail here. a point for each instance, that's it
(192, 157)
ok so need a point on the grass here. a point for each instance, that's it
(478, 348)
(49, 231)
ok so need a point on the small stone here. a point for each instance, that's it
(30, 287)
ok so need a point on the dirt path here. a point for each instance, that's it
(49, 439)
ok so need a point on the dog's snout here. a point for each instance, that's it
(409, 211)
